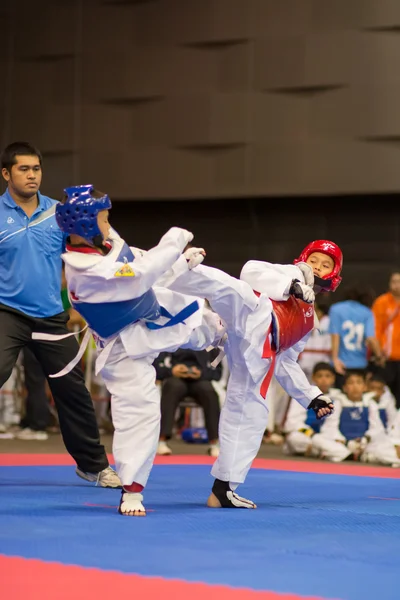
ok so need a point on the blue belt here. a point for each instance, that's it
(180, 317)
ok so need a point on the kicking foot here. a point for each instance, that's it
(131, 505)
(223, 497)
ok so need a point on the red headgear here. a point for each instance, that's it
(333, 279)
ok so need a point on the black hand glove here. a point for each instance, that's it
(319, 402)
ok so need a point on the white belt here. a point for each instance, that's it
(220, 347)
(51, 337)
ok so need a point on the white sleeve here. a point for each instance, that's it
(142, 273)
(137, 251)
(391, 409)
(291, 376)
(270, 279)
(295, 418)
(394, 432)
(330, 425)
(178, 268)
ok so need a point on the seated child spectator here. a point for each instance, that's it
(357, 424)
(301, 428)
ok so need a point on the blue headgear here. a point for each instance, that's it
(78, 214)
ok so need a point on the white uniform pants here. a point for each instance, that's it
(244, 414)
(243, 420)
(381, 450)
(135, 406)
(298, 443)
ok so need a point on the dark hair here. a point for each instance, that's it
(323, 366)
(322, 304)
(10, 152)
(351, 372)
(360, 293)
(378, 379)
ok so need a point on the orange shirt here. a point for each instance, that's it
(386, 311)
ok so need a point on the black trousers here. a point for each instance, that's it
(391, 374)
(37, 415)
(174, 390)
(73, 402)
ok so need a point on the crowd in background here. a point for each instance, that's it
(353, 356)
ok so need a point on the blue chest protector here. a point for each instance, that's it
(312, 420)
(383, 416)
(109, 318)
(354, 422)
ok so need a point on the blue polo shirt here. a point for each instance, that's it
(30, 258)
(354, 323)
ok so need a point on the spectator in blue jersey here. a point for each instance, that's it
(352, 328)
(30, 304)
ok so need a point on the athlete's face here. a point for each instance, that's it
(354, 388)
(324, 379)
(321, 264)
(104, 225)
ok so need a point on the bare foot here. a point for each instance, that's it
(213, 501)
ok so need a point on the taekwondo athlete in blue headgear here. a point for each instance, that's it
(118, 290)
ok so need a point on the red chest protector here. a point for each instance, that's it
(293, 319)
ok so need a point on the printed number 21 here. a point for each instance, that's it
(353, 340)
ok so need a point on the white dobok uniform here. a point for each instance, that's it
(129, 313)
(302, 434)
(387, 409)
(361, 420)
(253, 324)
(394, 433)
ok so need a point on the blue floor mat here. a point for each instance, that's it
(332, 536)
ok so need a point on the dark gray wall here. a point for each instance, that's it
(367, 229)
(206, 98)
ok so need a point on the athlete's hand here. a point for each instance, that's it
(302, 291)
(307, 273)
(322, 406)
(194, 256)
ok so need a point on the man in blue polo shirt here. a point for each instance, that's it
(352, 327)
(31, 244)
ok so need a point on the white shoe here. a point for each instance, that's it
(107, 478)
(131, 505)
(4, 433)
(213, 450)
(31, 434)
(163, 449)
(276, 439)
